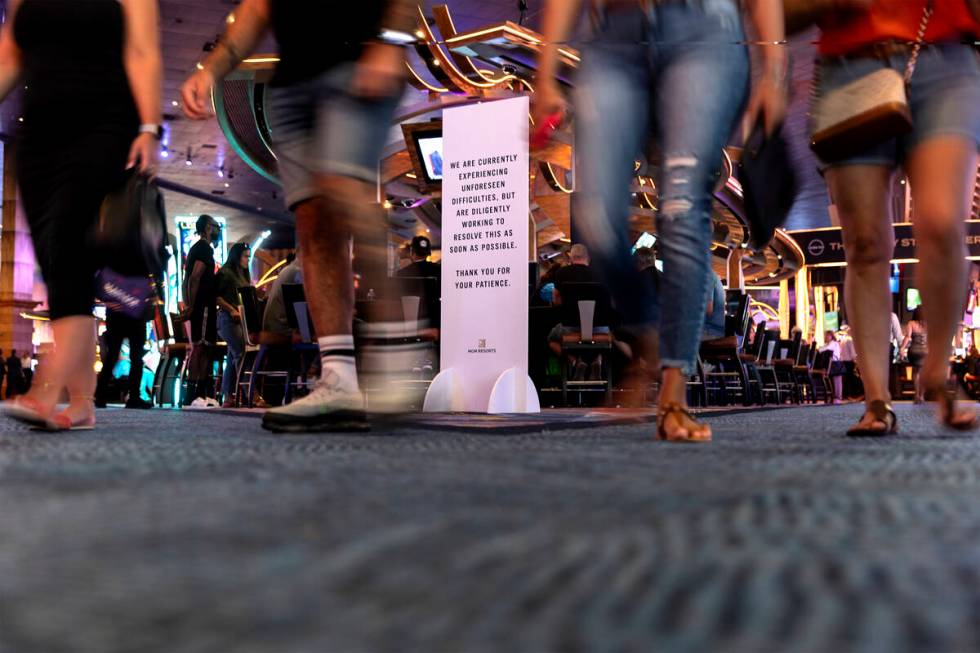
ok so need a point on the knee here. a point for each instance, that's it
(939, 228)
(868, 248)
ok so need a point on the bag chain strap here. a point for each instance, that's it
(919, 40)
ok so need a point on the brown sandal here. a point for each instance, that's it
(678, 410)
(881, 412)
(946, 398)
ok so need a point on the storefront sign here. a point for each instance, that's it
(485, 204)
(826, 246)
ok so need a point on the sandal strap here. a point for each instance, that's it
(674, 408)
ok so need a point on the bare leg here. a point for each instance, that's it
(941, 171)
(861, 193)
(71, 364)
(673, 390)
(82, 380)
(327, 277)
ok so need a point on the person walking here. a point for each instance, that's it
(234, 274)
(120, 327)
(27, 369)
(915, 348)
(685, 63)
(332, 103)
(939, 155)
(91, 109)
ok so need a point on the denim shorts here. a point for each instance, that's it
(944, 97)
(319, 128)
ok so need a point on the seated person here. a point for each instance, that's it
(275, 323)
(421, 266)
(714, 322)
(579, 271)
(971, 372)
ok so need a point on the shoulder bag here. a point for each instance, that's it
(870, 110)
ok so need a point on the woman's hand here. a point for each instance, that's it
(143, 154)
(547, 100)
(768, 104)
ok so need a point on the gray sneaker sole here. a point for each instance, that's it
(347, 421)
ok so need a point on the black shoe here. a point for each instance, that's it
(138, 404)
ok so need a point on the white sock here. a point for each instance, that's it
(337, 358)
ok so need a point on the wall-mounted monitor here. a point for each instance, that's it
(425, 149)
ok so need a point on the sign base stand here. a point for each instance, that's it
(445, 394)
(505, 395)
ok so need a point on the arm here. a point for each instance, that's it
(224, 282)
(556, 25)
(10, 55)
(144, 70)
(233, 310)
(240, 39)
(907, 338)
(194, 284)
(769, 97)
(381, 68)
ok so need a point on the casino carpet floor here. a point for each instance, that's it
(197, 533)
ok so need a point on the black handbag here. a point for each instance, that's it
(131, 238)
(769, 184)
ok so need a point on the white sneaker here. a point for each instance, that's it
(330, 407)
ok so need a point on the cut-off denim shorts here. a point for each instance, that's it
(944, 97)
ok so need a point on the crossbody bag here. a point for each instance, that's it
(870, 110)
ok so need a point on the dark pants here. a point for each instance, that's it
(15, 384)
(120, 327)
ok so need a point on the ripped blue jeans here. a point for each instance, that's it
(677, 77)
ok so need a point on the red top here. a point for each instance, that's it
(896, 20)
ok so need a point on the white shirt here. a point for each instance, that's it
(833, 346)
(897, 335)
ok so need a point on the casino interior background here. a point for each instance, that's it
(476, 49)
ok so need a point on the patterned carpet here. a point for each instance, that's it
(195, 532)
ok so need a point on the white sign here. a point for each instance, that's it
(485, 208)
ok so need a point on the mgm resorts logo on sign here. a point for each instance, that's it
(481, 348)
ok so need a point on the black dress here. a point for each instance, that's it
(80, 120)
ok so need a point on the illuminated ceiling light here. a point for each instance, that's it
(164, 152)
(230, 18)
(227, 185)
(386, 205)
(21, 119)
(396, 37)
(199, 66)
(174, 103)
(255, 246)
